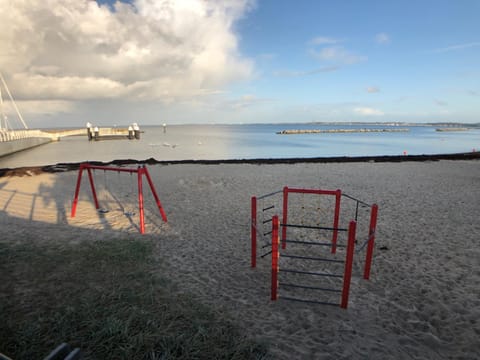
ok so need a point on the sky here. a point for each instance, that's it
(69, 62)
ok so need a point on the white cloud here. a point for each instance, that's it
(367, 111)
(323, 40)
(457, 47)
(441, 102)
(76, 49)
(290, 73)
(246, 101)
(337, 54)
(373, 89)
(382, 38)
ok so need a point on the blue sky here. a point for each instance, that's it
(242, 61)
(419, 61)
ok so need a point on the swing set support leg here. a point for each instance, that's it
(77, 191)
(347, 275)
(338, 197)
(92, 185)
(140, 201)
(154, 193)
(253, 231)
(371, 241)
(285, 217)
(77, 188)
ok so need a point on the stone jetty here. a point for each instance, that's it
(96, 133)
(452, 129)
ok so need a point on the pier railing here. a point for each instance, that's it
(11, 135)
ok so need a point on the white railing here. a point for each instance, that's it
(11, 135)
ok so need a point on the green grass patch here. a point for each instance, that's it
(105, 298)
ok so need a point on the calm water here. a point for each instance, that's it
(182, 142)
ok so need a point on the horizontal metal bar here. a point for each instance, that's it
(268, 208)
(312, 191)
(314, 227)
(266, 245)
(266, 221)
(267, 195)
(310, 273)
(312, 258)
(267, 233)
(106, 168)
(308, 301)
(312, 243)
(310, 287)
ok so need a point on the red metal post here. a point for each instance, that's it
(253, 231)
(140, 201)
(347, 276)
(152, 188)
(285, 217)
(338, 197)
(275, 256)
(77, 191)
(371, 241)
(92, 185)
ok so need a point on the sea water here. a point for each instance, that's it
(252, 141)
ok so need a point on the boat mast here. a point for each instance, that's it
(13, 102)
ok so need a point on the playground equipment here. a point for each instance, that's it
(303, 259)
(140, 171)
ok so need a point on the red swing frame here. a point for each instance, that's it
(140, 171)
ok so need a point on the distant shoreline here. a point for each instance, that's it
(62, 167)
(337, 131)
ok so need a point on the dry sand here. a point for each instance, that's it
(423, 298)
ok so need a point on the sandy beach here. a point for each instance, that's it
(423, 297)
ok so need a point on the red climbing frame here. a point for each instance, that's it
(140, 171)
(337, 193)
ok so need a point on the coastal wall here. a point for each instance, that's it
(17, 140)
(13, 146)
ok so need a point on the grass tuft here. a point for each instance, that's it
(105, 298)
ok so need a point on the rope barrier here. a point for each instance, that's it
(357, 200)
(268, 195)
(372, 236)
(312, 258)
(314, 227)
(308, 301)
(311, 243)
(267, 253)
(309, 273)
(310, 287)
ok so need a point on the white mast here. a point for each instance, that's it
(3, 118)
(13, 102)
